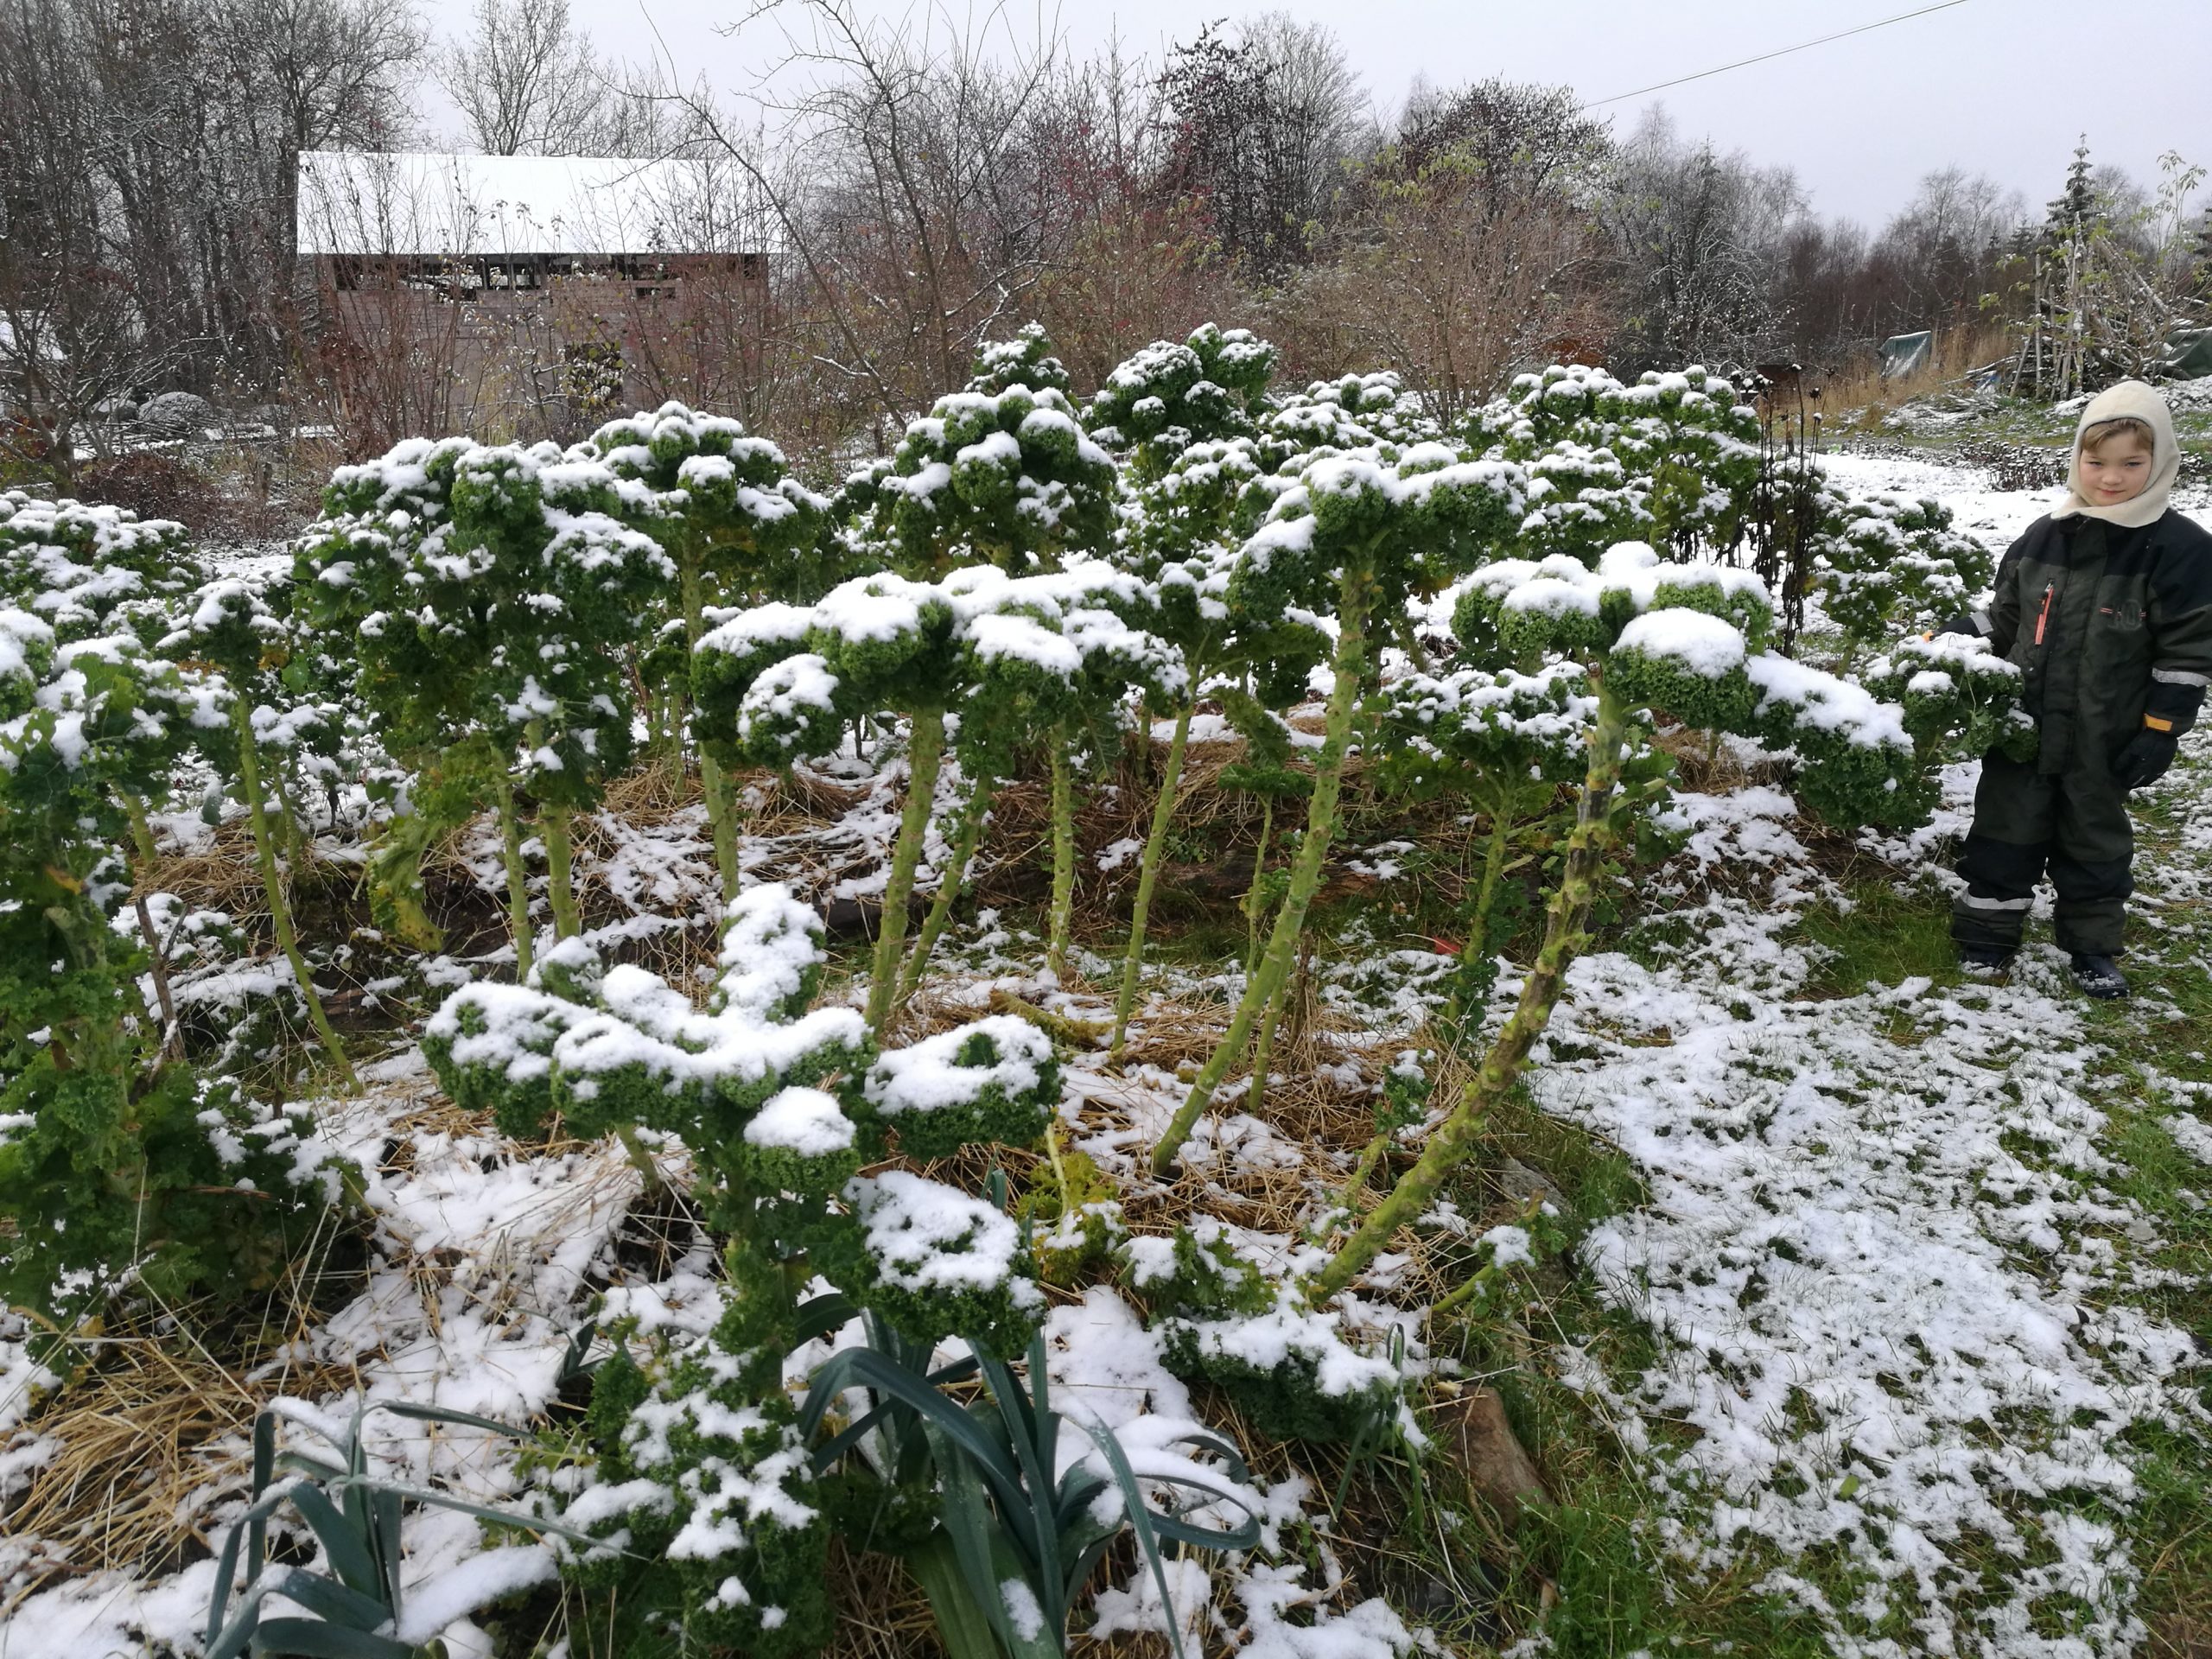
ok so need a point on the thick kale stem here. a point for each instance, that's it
(142, 829)
(142, 839)
(1263, 1050)
(721, 817)
(1500, 838)
(721, 806)
(272, 886)
(518, 880)
(965, 840)
(395, 878)
(1370, 1155)
(560, 868)
(1455, 1140)
(284, 794)
(1155, 844)
(924, 754)
(1350, 669)
(1055, 952)
(1254, 898)
(641, 1160)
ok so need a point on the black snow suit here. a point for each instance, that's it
(2113, 629)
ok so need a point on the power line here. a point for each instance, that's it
(1783, 52)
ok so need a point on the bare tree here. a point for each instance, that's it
(1260, 126)
(71, 337)
(1696, 233)
(900, 187)
(1469, 246)
(1138, 260)
(148, 186)
(528, 82)
(1940, 256)
(307, 75)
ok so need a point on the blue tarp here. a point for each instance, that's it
(1902, 354)
(2189, 355)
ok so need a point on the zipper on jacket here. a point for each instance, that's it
(2043, 616)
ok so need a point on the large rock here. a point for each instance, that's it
(176, 415)
(1478, 1437)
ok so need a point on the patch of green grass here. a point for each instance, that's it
(1207, 940)
(2016, 419)
(1594, 1177)
(1590, 1571)
(2169, 1525)
(1884, 935)
(2173, 1515)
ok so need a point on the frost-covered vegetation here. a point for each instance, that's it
(1016, 1034)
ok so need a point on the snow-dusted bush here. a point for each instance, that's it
(1504, 743)
(1172, 394)
(1001, 470)
(1684, 640)
(1961, 699)
(1045, 653)
(1181, 536)
(117, 1168)
(738, 528)
(91, 572)
(1673, 459)
(491, 597)
(1887, 562)
(702, 1468)
(1677, 460)
(1226, 1314)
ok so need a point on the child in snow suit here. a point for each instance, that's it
(2105, 605)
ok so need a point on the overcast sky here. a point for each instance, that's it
(1999, 86)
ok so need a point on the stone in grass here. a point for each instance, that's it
(1482, 1443)
(176, 414)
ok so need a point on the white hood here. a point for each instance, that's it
(2130, 400)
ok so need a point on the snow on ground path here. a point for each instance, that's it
(1887, 1283)
(1994, 518)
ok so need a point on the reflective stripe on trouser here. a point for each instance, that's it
(2073, 825)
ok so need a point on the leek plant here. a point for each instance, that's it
(1020, 1523)
(358, 1607)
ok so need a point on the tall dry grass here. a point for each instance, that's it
(1856, 399)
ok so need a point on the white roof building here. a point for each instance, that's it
(427, 204)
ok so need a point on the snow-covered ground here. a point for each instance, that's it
(1889, 1284)
(1887, 1276)
(1995, 518)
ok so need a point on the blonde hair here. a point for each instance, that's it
(2096, 436)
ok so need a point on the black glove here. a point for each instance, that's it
(1965, 624)
(2145, 758)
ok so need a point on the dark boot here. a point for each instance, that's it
(2098, 976)
(1985, 961)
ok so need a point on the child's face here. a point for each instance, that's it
(2115, 470)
